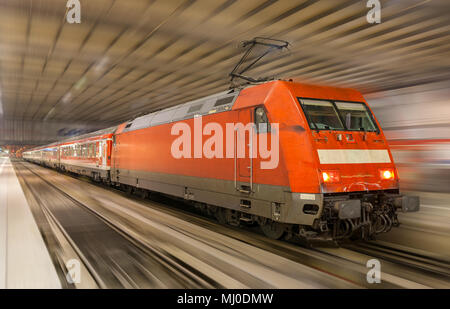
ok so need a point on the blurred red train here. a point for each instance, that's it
(334, 178)
(424, 164)
(88, 154)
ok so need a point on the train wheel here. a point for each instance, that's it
(143, 193)
(221, 216)
(227, 216)
(129, 190)
(272, 229)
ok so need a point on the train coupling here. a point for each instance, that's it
(407, 203)
(348, 209)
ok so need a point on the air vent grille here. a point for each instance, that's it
(194, 108)
(224, 101)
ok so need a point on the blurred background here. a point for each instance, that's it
(128, 58)
(416, 120)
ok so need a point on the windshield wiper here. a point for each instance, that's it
(315, 126)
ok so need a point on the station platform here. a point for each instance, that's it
(24, 258)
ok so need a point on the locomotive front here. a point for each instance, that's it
(358, 181)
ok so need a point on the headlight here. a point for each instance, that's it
(387, 174)
(331, 176)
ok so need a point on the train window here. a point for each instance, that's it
(356, 116)
(321, 115)
(261, 120)
(91, 150)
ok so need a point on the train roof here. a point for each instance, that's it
(212, 104)
(101, 132)
(215, 103)
(224, 101)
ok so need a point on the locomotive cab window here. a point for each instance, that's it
(356, 116)
(321, 115)
(338, 116)
(261, 120)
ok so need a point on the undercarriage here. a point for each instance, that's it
(354, 216)
(362, 215)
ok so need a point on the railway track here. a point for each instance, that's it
(409, 257)
(128, 253)
(124, 262)
(347, 266)
(405, 267)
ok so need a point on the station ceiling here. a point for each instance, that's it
(129, 57)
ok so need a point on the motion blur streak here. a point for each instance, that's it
(416, 121)
(147, 248)
(128, 58)
(193, 251)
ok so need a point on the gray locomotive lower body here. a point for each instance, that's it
(313, 216)
(279, 212)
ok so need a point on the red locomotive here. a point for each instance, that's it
(330, 177)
